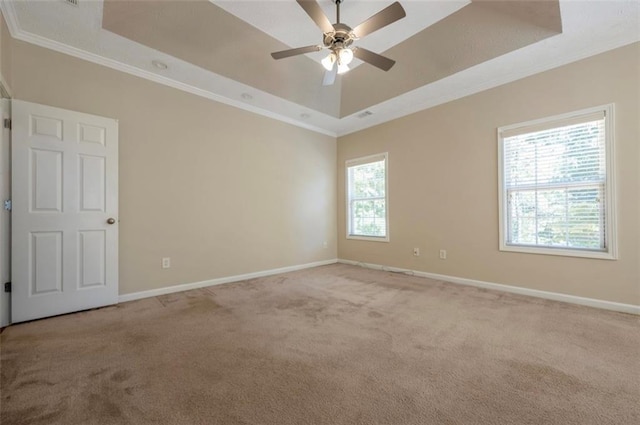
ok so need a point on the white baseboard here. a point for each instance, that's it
(219, 281)
(572, 299)
(591, 302)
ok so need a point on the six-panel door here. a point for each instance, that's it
(64, 189)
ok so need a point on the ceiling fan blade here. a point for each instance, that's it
(315, 12)
(381, 19)
(330, 76)
(374, 59)
(293, 52)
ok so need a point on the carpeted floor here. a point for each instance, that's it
(332, 345)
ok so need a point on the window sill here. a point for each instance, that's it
(369, 238)
(597, 255)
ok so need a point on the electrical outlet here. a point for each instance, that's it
(166, 262)
(443, 254)
(416, 252)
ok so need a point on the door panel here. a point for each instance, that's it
(46, 263)
(46, 180)
(92, 134)
(65, 183)
(45, 126)
(92, 258)
(92, 183)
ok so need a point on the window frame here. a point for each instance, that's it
(361, 161)
(611, 250)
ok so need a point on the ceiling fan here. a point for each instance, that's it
(339, 37)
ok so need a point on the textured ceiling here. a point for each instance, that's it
(444, 49)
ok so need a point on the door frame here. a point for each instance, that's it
(5, 216)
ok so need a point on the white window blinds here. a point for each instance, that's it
(555, 185)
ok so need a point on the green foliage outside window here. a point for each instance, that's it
(367, 198)
(555, 184)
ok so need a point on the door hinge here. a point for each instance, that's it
(7, 204)
(7, 123)
(7, 287)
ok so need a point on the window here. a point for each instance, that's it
(367, 206)
(556, 185)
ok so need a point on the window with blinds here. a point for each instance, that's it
(556, 185)
(367, 198)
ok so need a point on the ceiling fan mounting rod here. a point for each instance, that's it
(338, 11)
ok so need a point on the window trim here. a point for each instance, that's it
(360, 161)
(611, 252)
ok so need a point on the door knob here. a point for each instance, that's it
(111, 220)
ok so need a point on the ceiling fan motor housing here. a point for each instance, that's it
(341, 38)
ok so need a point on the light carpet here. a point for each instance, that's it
(335, 345)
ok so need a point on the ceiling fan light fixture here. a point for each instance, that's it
(329, 61)
(342, 68)
(346, 56)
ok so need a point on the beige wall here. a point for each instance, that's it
(443, 182)
(219, 190)
(224, 192)
(5, 53)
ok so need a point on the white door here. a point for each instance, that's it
(65, 211)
